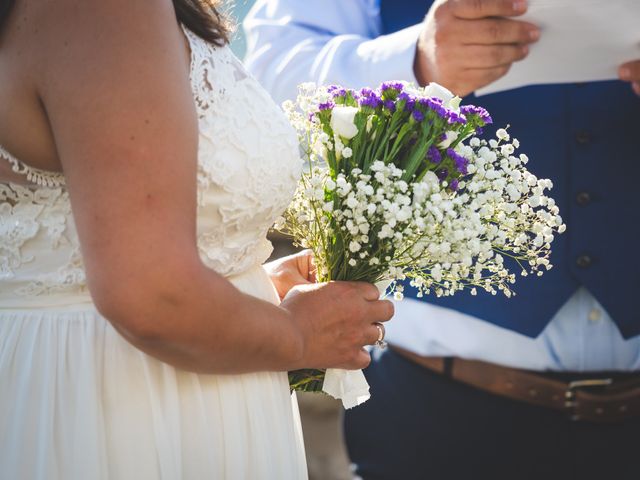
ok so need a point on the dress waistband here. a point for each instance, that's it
(254, 280)
(49, 301)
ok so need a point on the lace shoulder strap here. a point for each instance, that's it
(209, 69)
(42, 178)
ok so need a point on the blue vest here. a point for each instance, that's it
(586, 139)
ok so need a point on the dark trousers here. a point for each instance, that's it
(419, 424)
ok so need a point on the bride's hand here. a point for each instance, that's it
(336, 320)
(287, 272)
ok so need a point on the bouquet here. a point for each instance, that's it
(401, 189)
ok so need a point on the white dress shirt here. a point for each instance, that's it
(291, 41)
(339, 41)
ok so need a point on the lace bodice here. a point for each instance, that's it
(248, 166)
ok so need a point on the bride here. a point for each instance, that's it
(140, 335)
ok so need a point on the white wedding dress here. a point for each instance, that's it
(78, 402)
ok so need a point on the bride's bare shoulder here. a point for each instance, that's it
(50, 49)
(57, 28)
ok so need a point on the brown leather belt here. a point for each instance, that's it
(599, 399)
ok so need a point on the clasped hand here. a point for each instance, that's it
(336, 319)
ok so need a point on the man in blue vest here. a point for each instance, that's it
(542, 385)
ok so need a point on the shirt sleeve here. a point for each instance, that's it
(325, 41)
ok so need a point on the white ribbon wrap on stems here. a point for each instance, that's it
(350, 386)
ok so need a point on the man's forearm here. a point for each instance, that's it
(284, 50)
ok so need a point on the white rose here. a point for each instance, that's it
(454, 104)
(451, 136)
(342, 121)
(449, 100)
(438, 91)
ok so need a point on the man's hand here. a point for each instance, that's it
(467, 44)
(630, 72)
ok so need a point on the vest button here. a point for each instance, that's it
(583, 137)
(583, 199)
(584, 261)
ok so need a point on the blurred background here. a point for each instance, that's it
(321, 415)
(238, 10)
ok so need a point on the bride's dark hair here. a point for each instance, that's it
(202, 17)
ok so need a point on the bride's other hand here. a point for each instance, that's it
(292, 270)
(337, 319)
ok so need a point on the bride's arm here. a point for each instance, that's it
(113, 78)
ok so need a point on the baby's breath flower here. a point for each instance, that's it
(502, 134)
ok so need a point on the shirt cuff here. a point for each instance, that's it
(391, 57)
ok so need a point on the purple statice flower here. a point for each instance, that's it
(336, 91)
(454, 184)
(434, 154)
(432, 100)
(479, 111)
(418, 116)
(398, 86)
(372, 102)
(409, 101)
(459, 161)
(369, 98)
(435, 105)
(428, 102)
(455, 117)
(326, 106)
(442, 174)
(390, 105)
